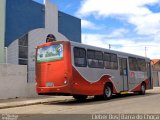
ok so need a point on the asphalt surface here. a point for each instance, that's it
(66, 108)
(128, 103)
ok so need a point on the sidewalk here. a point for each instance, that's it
(17, 102)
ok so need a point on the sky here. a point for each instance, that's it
(131, 26)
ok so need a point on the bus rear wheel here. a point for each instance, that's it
(143, 89)
(107, 93)
(80, 97)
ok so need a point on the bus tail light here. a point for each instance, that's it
(65, 75)
(65, 81)
(65, 78)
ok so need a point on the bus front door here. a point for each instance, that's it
(123, 73)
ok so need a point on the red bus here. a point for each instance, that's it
(79, 70)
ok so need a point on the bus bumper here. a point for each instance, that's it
(59, 90)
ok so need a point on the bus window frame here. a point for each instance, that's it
(115, 61)
(75, 57)
(141, 65)
(94, 60)
(136, 65)
(110, 61)
(133, 64)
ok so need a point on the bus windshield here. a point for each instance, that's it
(50, 53)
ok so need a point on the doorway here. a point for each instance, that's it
(123, 73)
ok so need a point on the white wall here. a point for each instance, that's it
(12, 52)
(156, 78)
(51, 20)
(13, 79)
(35, 37)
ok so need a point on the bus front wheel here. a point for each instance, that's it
(107, 94)
(80, 97)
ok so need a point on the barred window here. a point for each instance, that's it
(23, 50)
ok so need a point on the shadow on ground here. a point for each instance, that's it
(92, 100)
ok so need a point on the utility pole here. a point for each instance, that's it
(109, 46)
(145, 51)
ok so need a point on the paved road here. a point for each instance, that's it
(149, 103)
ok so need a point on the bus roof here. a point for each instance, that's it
(106, 50)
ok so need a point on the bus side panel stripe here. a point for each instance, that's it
(83, 86)
(138, 87)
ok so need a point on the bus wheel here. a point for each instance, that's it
(107, 94)
(80, 97)
(143, 89)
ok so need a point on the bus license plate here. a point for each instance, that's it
(49, 84)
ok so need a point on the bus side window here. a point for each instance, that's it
(107, 59)
(133, 65)
(90, 58)
(110, 61)
(99, 59)
(80, 57)
(95, 59)
(114, 64)
(141, 64)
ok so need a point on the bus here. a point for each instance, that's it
(79, 70)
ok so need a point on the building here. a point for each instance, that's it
(19, 17)
(156, 71)
(26, 28)
(25, 24)
(156, 64)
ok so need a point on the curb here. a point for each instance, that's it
(23, 104)
(28, 103)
